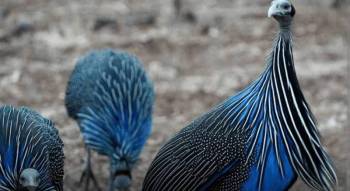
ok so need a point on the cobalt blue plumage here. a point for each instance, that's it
(262, 139)
(31, 151)
(111, 97)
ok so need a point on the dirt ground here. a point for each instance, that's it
(211, 50)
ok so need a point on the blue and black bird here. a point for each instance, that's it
(262, 138)
(111, 98)
(31, 152)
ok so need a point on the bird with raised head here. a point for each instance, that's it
(262, 138)
(111, 98)
(31, 152)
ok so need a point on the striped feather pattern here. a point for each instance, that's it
(269, 119)
(112, 98)
(27, 140)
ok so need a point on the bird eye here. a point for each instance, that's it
(22, 179)
(285, 6)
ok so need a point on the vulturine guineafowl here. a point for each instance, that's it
(31, 152)
(262, 138)
(111, 98)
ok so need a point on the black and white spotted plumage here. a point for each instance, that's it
(28, 140)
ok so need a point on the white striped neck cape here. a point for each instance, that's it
(278, 117)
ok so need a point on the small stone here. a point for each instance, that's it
(143, 18)
(22, 28)
(4, 12)
(189, 16)
(104, 23)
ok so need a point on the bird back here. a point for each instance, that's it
(111, 96)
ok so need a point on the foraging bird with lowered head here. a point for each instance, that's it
(31, 152)
(262, 138)
(111, 98)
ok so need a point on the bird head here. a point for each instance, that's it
(282, 10)
(121, 174)
(29, 179)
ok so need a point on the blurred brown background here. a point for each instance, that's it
(198, 52)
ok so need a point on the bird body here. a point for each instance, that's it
(111, 98)
(262, 138)
(31, 151)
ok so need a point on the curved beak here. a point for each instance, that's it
(272, 10)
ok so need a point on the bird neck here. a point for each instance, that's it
(291, 118)
(285, 26)
(281, 58)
